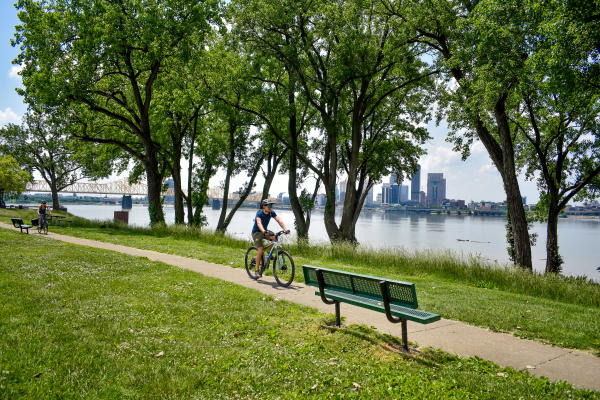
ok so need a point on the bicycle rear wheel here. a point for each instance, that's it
(283, 268)
(250, 262)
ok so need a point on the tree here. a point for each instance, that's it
(363, 80)
(44, 144)
(476, 96)
(558, 109)
(12, 178)
(108, 57)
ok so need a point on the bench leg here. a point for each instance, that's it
(404, 335)
(338, 319)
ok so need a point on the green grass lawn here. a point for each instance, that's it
(78, 322)
(551, 309)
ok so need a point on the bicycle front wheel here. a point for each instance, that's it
(251, 262)
(45, 227)
(283, 268)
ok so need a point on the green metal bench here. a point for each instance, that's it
(397, 299)
(18, 223)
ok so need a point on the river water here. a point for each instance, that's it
(579, 239)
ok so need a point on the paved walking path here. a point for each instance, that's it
(579, 368)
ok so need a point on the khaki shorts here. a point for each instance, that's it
(257, 238)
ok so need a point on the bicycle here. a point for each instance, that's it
(283, 264)
(43, 224)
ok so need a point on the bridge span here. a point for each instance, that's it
(123, 187)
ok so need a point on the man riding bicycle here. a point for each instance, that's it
(43, 212)
(259, 230)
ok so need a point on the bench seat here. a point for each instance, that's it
(411, 314)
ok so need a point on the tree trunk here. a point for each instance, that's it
(178, 193)
(268, 182)
(553, 258)
(221, 227)
(154, 181)
(55, 202)
(243, 196)
(188, 199)
(300, 222)
(514, 200)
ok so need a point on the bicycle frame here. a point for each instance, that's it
(274, 248)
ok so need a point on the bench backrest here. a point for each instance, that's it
(17, 222)
(400, 293)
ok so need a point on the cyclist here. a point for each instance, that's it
(259, 230)
(43, 212)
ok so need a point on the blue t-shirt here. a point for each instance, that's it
(264, 218)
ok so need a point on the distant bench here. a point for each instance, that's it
(397, 299)
(18, 223)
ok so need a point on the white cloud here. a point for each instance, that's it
(14, 71)
(439, 158)
(487, 168)
(8, 116)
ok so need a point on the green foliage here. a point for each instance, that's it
(13, 179)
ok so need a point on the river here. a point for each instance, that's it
(479, 235)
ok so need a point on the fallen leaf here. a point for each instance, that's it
(131, 330)
(530, 367)
(37, 375)
(502, 374)
(314, 386)
(331, 363)
(159, 354)
(356, 385)
(235, 335)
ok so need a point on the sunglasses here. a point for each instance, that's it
(269, 205)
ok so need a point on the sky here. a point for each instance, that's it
(475, 179)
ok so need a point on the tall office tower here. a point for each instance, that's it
(403, 193)
(386, 194)
(436, 189)
(393, 179)
(395, 194)
(422, 197)
(415, 185)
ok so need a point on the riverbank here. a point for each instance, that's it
(552, 309)
(182, 335)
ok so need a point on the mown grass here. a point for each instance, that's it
(78, 322)
(552, 309)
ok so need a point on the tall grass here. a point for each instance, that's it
(393, 262)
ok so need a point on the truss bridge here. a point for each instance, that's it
(122, 187)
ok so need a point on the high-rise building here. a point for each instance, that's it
(403, 193)
(395, 194)
(386, 194)
(393, 179)
(415, 185)
(422, 197)
(436, 189)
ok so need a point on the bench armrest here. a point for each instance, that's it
(321, 281)
(383, 285)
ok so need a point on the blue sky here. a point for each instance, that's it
(475, 179)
